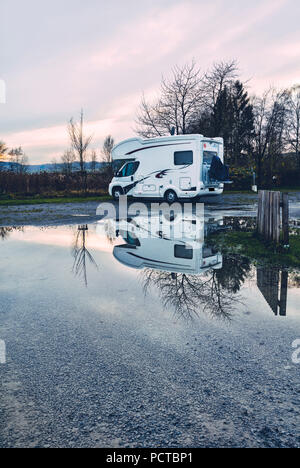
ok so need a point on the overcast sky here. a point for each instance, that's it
(60, 55)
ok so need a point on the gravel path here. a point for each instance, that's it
(93, 383)
(76, 213)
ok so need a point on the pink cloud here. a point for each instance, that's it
(108, 75)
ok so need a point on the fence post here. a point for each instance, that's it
(259, 212)
(268, 216)
(276, 217)
(283, 292)
(285, 220)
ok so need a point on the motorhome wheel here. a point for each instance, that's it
(117, 192)
(170, 196)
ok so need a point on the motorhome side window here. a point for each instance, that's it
(181, 158)
(183, 251)
(129, 169)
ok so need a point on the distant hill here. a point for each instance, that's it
(35, 168)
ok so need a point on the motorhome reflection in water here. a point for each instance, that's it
(181, 166)
(177, 246)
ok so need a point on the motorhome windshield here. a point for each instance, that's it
(128, 169)
(208, 156)
(119, 163)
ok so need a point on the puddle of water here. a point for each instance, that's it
(188, 276)
(110, 331)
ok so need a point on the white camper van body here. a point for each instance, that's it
(154, 167)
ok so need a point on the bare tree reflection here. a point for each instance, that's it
(81, 254)
(214, 293)
(6, 231)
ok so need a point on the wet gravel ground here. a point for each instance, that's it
(78, 381)
(76, 213)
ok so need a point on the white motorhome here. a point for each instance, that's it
(169, 167)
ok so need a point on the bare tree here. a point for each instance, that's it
(277, 146)
(93, 161)
(3, 151)
(107, 149)
(293, 121)
(107, 156)
(68, 160)
(18, 160)
(181, 96)
(222, 75)
(270, 113)
(79, 144)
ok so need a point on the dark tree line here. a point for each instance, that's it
(51, 184)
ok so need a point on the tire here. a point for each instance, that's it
(117, 192)
(170, 196)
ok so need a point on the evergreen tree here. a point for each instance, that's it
(223, 119)
(242, 131)
(231, 118)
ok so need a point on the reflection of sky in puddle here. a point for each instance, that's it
(36, 261)
(61, 236)
(105, 357)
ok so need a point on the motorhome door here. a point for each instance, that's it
(127, 176)
(209, 150)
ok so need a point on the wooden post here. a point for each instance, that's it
(259, 212)
(276, 217)
(268, 284)
(285, 220)
(268, 216)
(266, 213)
(279, 219)
(283, 293)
